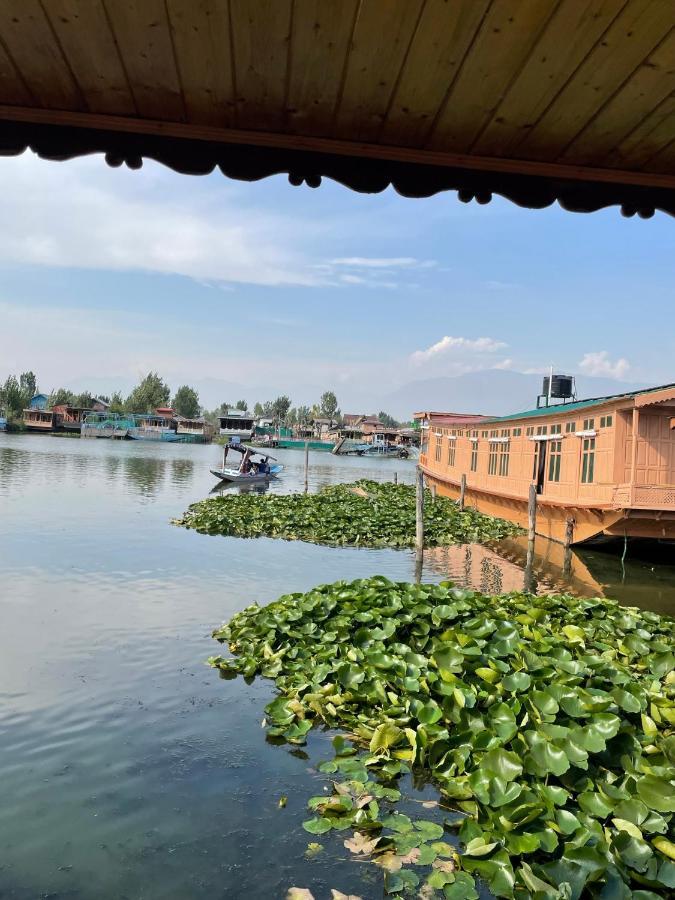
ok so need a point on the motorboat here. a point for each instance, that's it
(254, 466)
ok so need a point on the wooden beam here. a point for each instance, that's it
(412, 156)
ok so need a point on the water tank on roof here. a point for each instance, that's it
(562, 387)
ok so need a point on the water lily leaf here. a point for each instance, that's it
(463, 888)
(665, 846)
(318, 825)
(595, 804)
(544, 757)
(657, 793)
(384, 737)
(478, 847)
(296, 893)
(625, 825)
(502, 763)
(430, 831)
(338, 895)
(361, 844)
(633, 851)
(517, 682)
(313, 849)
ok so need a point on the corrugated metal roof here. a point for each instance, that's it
(562, 408)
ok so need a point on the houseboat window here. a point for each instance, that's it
(556, 429)
(530, 431)
(517, 432)
(589, 424)
(451, 452)
(484, 434)
(542, 429)
(570, 427)
(606, 422)
(588, 461)
(554, 461)
(439, 447)
(504, 458)
(492, 460)
(474, 457)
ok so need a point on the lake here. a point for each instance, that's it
(129, 769)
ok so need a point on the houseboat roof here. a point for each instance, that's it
(668, 391)
(534, 101)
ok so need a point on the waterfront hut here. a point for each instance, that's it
(603, 466)
(238, 424)
(40, 420)
(38, 401)
(194, 430)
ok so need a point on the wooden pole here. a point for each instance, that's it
(306, 466)
(569, 533)
(419, 511)
(395, 477)
(532, 513)
(462, 492)
(433, 491)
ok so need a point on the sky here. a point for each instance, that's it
(106, 274)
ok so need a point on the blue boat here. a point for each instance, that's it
(3, 421)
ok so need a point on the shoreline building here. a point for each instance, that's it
(607, 464)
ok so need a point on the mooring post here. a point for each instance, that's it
(306, 465)
(462, 491)
(419, 511)
(433, 491)
(532, 513)
(569, 533)
(395, 477)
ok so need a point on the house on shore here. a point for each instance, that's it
(605, 466)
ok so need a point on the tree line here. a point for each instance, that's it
(153, 392)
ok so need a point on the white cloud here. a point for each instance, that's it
(84, 215)
(352, 279)
(599, 363)
(503, 364)
(449, 345)
(368, 262)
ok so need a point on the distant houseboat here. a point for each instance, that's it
(69, 418)
(192, 431)
(157, 426)
(606, 465)
(236, 424)
(37, 419)
(3, 421)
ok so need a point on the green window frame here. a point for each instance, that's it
(588, 461)
(555, 457)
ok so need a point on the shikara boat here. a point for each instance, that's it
(254, 467)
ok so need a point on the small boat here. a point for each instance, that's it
(254, 467)
(382, 448)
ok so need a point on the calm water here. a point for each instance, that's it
(128, 768)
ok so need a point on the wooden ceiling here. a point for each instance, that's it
(538, 100)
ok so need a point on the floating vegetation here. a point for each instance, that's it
(363, 514)
(547, 724)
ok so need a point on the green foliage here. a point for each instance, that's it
(364, 514)
(242, 405)
(560, 791)
(148, 395)
(280, 408)
(61, 396)
(258, 410)
(186, 402)
(16, 394)
(329, 405)
(117, 403)
(387, 420)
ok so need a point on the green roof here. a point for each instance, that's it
(560, 408)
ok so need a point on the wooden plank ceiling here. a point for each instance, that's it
(538, 100)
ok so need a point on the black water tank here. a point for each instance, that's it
(562, 387)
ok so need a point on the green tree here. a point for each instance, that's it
(258, 410)
(280, 408)
(329, 405)
(61, 396)
(148, 395)
(116, 403)
(28, 385)
(387, 420)
(83, 400)
(242, 405)
(304, 414)
(12, 398)
(186, 402)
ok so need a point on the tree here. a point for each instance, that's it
(304, 414)
(258, 410)
(329, 405)
(280, 408)
(186, 402)
(292, 416)
(28, 385)
(116, 403)
(148, 395)
(387, 420)
(12, 398)
(61, 396)
(242, 405)
(83, 400)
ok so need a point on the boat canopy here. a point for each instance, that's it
(244, 448)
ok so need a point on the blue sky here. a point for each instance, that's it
(105, 274)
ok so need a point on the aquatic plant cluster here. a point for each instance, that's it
(547, 724)
(363, 514)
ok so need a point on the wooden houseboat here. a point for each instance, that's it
(36, 419)
(237, 423)
(192, 431)
(69, 418)
(157, 426)
(605, 465)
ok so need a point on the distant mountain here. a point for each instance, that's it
(491, 391)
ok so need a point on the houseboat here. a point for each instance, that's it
(3, 421)
(107, 425)
(157, 426)
(604, 467)
(39, 419)
(69, 418)
(192, 431)
(236, 423)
